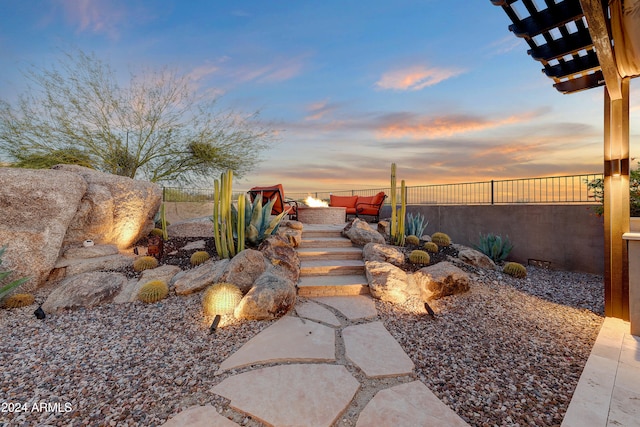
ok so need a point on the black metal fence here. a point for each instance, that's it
(570, 189)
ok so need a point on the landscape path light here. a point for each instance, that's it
(219, 299)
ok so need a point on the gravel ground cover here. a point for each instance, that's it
(509, 352)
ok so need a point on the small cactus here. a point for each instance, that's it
(18, 300)
(431, 247)
(144, 263)
(412, 240)
(221, 298)
(515, 269)
(441, 239)
(153, 291)
(199, 257)
(157, 232)
(419, 257)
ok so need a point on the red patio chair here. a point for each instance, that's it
(281, 204)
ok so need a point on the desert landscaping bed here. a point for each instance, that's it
(509, 352)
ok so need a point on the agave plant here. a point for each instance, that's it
(494, 246)
(415, 224)
(7, 288)
(259, 224)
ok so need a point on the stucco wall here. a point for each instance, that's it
(569, 237)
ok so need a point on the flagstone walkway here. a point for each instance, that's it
(330, 356)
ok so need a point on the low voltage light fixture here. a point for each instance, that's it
(219, 299)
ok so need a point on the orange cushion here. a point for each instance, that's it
(343, 201)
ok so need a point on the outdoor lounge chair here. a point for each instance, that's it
(281, 204)
(360, 205)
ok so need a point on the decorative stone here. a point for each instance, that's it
(199, 416)
(292, 235)
(244, 269)
(84, 290)
(163, 272)
(109, 262)
(384, 228)
(90, 251)
(289, 339)
(441, 279)
(384, 253)
(37, 207)
(372, 348)
(390, 283)
(360, 233)
(282, 257)
(270, 297)
(115, 209)
(291, 395)
(410, 404)
(476, 258)
(196, 279)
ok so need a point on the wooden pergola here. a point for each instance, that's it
(574, 41)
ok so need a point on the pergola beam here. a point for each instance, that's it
(594, 12)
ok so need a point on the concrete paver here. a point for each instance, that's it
(408, 405)
(311, 310)
(372, 348)
(199, 416)
(311, 395)
(352, 307)
(289, 339)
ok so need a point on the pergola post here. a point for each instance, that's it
(616, 201)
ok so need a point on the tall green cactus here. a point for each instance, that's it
(240, 225)
(399, 236)
(222, 218)
(163, 222)
(394, 200)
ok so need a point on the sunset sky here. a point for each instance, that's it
(441, 88)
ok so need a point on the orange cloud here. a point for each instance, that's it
(319, 110)
(415, 78)
(439, 127)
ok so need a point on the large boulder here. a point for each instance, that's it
(282, 257)
(37, 207)
(389, 283)
(84, 290)
(361, 233)
(270, 297)
(475, 258)
(244, 269)
(383, 253)
(291, 231)
(114, 209)
(129, 291)
(196, 279)
(441, 280)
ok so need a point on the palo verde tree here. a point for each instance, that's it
(158, 127)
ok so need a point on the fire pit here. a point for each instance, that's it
(316, 211)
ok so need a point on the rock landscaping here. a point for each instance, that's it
(496, 349)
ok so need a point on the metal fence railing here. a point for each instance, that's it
(570, 189)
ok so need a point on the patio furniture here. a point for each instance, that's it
(360, 205)
(281, 204)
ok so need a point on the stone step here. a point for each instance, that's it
(310, 234)
(344, 253)
(331, 267)
(323, 286)
(325, 242)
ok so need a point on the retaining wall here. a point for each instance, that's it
(564, 237)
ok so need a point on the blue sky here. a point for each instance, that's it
(442, 89)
